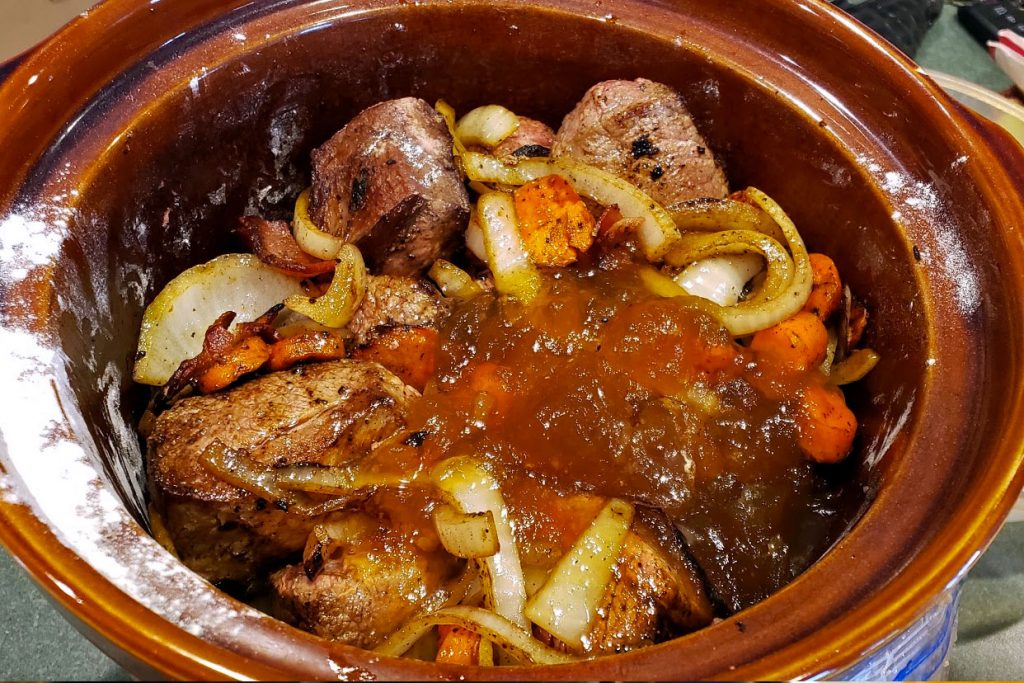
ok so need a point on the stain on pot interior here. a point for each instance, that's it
(145, 179)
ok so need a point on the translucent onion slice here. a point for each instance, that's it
(514, 273)
(720, 279)
(453, 281)
(475, 239)
(448, 114)
(336, 481)
(854, 367)
(485, 168)
(707, 215)
(567, 604)
(339, 303)
(512, 638)
(471, 488)
(175, 323)
(486, 126)
(470, 535)
(312, 239)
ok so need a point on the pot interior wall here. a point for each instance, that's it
(221, 123)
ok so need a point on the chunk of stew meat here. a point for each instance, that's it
(329, 414)
(387, 182)
(641, 131)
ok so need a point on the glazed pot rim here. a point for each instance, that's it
(98, 602)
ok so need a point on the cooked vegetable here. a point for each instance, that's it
(555, 224)
(826, 289)
(338, 480)
(448, 114)
(720, 278)
(310, 238)
(830, 351)
(854, 367)
(328, 536)
(567, 604)
(657, 233)
(471, 488)
(485, 168)
(461, 646)
(475, 238)
(249, 355)
(337, 305)
(275, 245)
(409, 352)
(514, 273)
(510, 637)
(486, 126)
(454, 282)
(304, 347)
(174, 325)
(827, 426)
(800, 342)
(708, 215)
(470, 535)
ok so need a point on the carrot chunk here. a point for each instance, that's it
(799, 342)
(247, 356)
(555, 224)
(460, 646)
(827, 426)
(313, 345)
(827, 289)
(409, 352)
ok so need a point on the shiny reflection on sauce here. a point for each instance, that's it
(601, 388)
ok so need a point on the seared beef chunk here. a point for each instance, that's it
(397, 301)
(531, 139)
(387, 182)
(329, 413)
(640, 131)
(656, 594)
(365, 590)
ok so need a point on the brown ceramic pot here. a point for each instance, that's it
(135, 136)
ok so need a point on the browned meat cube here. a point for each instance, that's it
(387, 182)
(392, 301)
(640, 131)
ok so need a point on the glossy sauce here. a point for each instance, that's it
(600, 387)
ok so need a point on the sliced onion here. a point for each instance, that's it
(514, 273)
(830, 351)
(475, 239)
(241, 471)
(471, 488)
(339, 303)
(453, 281)
(486, 126)
(448, 114)
(312, 239)
(470, 535)
(512, 638)
(720, 279)
(536, 576)
(485, 168)
(706, 215)
(336, 481)
(567, 604)
(174, 324)
(854, 367)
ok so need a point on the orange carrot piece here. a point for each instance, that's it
(827, 290)
(247, 356)
(827, 426)
(555, 224)
(409, 352)
(458, 646)
(312, 345)
(799, 342)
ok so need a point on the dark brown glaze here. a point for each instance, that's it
(181, 126)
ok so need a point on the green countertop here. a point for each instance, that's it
(36, 643)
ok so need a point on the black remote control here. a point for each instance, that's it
(986, 18)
